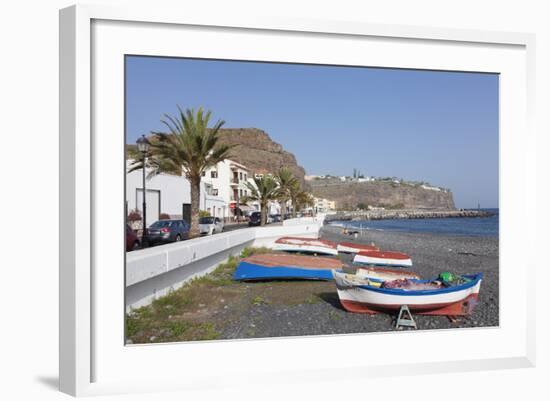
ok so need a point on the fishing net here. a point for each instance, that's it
(407, 284)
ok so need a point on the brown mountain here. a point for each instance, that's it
(256, 150)
(349, 194)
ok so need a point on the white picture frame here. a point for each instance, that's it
(89, 366)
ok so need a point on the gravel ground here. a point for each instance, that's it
(431, 254)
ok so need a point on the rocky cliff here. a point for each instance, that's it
(381, 193)
(257, 151)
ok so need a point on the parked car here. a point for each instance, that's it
(276, 218)
(132, 240)
(163, 231)
(254, 219)
(210, 225)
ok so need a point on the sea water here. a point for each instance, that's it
(464, 226)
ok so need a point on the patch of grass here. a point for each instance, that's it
(174, 299)
(222, 276)
(133, 326)
(258, 301)
(312, 299)
(249, 251)
(334, 316)
(174, 317)
(177, 329)
(208, 331)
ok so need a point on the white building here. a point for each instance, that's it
(227, 180)
(168, 193)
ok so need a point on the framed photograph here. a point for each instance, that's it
(241, 194)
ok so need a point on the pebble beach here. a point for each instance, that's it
(431, 254)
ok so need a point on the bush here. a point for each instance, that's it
(164, 216)
(203, 213)
(134, 215)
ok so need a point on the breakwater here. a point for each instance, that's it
(405, 214)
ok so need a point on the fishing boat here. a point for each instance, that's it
(351, 247)
(306, 245)
(384, 274)
(365, 296)
(281, 266)
(383, 258)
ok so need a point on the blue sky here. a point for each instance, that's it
(440, 127)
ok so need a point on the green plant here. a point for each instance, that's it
(178, 328)
(258, 301)
(263, 190)
(249, 251)
(134, 215)
(285, 180)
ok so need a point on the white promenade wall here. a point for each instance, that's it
(154, 272)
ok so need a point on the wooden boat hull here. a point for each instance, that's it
(351, 247)
(285, 266)
(305, 245)
(384, 274)
(452, 301)
(383, 258)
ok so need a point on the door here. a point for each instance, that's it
(152, 204)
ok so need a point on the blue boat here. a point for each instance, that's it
(285, 267)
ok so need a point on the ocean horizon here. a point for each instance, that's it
(459, 226)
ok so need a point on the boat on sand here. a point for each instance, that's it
(273, 266)
(384, 274)
(306, 245)
(426, 297)
(383, 258)
(352, 247)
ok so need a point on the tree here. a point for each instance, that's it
(264, 190)
(285, 180)
(299, 198)
(188, 148)
(304, 199)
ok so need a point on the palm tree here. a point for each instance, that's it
(188, 148)
(286, 180)
(294, 191)
(304, 199)
(264, 191)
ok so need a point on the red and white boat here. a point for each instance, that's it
(384, 274)
(306, 245)
(383, 258)
(363, 296)
(351, 247)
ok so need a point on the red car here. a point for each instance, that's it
(132, 240)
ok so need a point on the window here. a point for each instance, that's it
(204, 173)
(215, 192)
(214, 174)
(241, 175)
(245, 177)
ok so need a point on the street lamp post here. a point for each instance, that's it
(143, 147)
